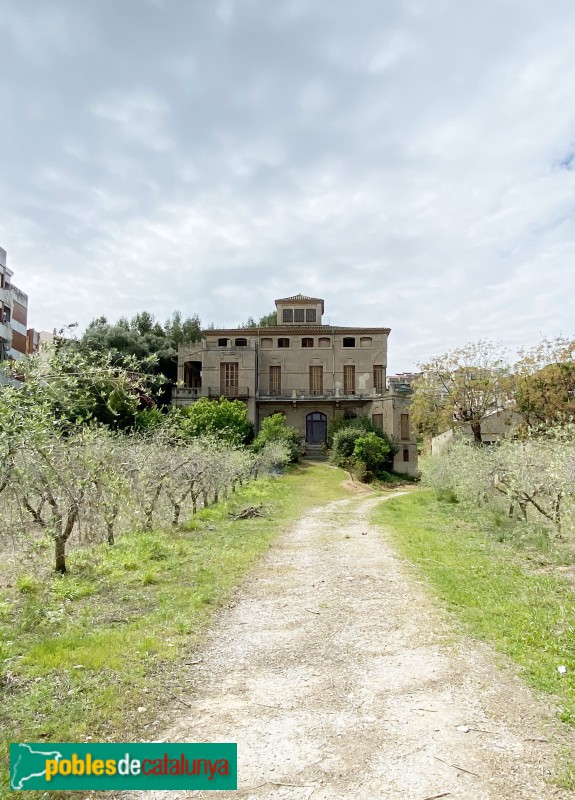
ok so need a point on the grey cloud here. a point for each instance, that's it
(408, 161)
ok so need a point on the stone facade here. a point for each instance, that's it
(308, 371)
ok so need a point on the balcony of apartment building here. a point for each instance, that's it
(5, 332)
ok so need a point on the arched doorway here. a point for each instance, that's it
(315, 428)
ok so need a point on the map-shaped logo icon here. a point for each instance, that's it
(28, 762)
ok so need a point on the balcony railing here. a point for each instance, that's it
(193, 393)
(266, 394)
(229, 391)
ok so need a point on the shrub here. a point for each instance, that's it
(372, 450)
(223, 419)
(379, 454)
(274, 429)
(343, 446)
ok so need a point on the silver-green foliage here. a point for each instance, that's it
(532, 478)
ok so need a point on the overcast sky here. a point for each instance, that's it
(410, 161)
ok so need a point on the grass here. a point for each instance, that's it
(494, 590)
(83, 654)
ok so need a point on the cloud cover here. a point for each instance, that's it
(412, 162)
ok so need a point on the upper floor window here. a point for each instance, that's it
(310, 315)
(222, 342)
(287, 315)
(365, 341)
(241, 342)
(349, 341)
(298, 315)
(267, 343)
(404, 426)
(324, 341)
(307, 341)
(283, 342)
(378, 378)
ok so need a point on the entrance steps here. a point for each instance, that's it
(314, 453)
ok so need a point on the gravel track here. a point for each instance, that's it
(340, 678)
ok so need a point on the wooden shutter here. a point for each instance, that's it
(378, 378)
(275, 380)
(349, 379)
(316, 380)
(404, 426)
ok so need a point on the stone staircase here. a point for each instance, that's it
(314, 453)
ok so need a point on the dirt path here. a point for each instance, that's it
(338, 678)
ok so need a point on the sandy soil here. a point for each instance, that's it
(340, 678)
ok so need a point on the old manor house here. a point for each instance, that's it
(308, 371)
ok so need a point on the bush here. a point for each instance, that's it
(274, 429)
(224, 419)
(343, 445)
(378, 449)
(373, 451)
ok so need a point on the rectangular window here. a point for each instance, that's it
(349, 379)
(287, 315)
(377, 420)
(405, 454)
(404, 419)
(275, 381)
(298, 315)
(349, 341)
(283, 342)
(307, 341)
(316, 380)
(378, 378)
(310, 315)
(229, 374)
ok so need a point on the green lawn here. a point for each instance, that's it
(82, 653)
(497, 593)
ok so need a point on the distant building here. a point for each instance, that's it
(308, 371)
(402, 382)
(13, 315)
(495, 426)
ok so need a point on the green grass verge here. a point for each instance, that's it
(81, 654)
(501, 597)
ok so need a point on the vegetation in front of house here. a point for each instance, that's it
(504, 588)
(273, 430)
(528, 482)
(66, 478)
(98, 653)
(355, 443)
